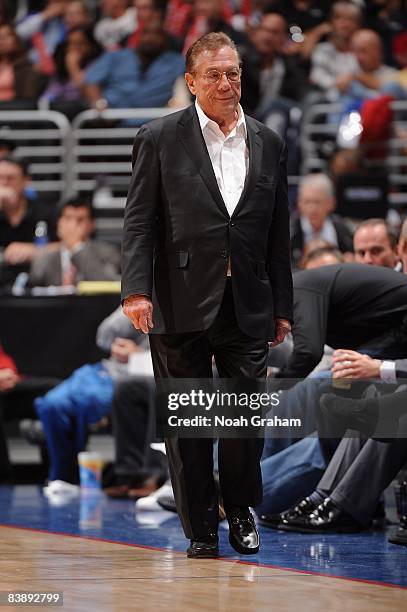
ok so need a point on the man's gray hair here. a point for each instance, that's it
(319, 180)
(209, 42)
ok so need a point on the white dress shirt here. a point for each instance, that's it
(327, 231)
(229, 156)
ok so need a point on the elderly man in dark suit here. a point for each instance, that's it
(206, 270)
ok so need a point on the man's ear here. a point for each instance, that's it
(331, 205)
(190, 81)
(401, 247)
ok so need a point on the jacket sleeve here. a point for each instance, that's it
(140, 217)
(309, 334)
(401, 368)
(279, 256)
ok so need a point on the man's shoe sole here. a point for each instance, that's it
(241, 549)
(204, 555)
(295, 529)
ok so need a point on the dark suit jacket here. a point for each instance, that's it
(352, 306)
(178, 235)
(344, 237)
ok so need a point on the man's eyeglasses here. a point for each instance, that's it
(214, 76)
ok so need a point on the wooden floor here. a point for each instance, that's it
(103, 577)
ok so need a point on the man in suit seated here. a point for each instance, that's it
(315, 218)
(374, 243)
(79, 257)
(346, 497)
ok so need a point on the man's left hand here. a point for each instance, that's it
(282, 328)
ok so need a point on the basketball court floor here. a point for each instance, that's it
(103, 555)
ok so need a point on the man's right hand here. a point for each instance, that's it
(139, 309)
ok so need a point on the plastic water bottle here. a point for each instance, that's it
(41, 233)
(19, 286)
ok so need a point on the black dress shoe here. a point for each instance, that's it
(208, 548)
(326, 518)
(243, 535)
(304, 507)
(359, 414)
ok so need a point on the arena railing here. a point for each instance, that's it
(41, 138)
(319, 131)
(100, 160)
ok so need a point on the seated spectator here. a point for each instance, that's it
(211, 16)
(20, 83)
(372, 78)
(271, 81)
(348, 305)
(117, 22)
(347, 496)
(149, 76)
(44, 31)
(388, 18)
(149, 11)
(306, 14)
(8, 380)
(78, 257)
(315, 218)
(19, 219)
(326, 255)
(17, 394)
(402, 247)
(76, 15)
(72, 57)
(86, 397)
(138, 469)
(334, 58)
(374, 243)
(309, 17)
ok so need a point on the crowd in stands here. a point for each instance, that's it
(350, 269)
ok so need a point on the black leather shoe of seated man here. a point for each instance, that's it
(327, 518)
(399, 537)
(302, 508)
(204, 548)
(243, 535)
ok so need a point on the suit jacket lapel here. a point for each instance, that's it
(255, 154)
(189, 133)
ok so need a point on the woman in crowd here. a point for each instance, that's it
(20, 83)
(72, 57)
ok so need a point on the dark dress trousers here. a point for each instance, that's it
(178, 239)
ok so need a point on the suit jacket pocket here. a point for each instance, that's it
(177, 259)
